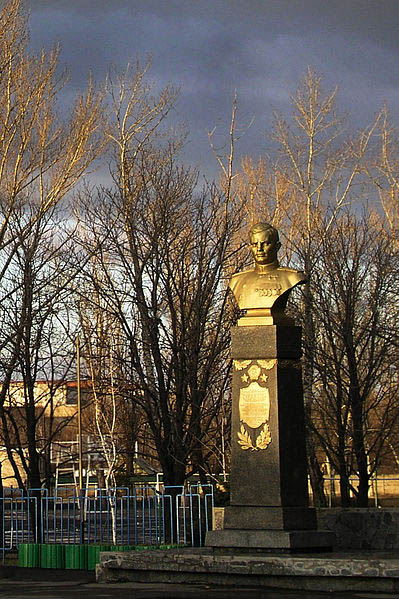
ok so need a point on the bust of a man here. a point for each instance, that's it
(262, 292)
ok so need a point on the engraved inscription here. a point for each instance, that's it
(254, 405)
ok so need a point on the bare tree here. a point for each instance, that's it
(35, 309)
(162, 264)
(162, 251)
(355, 289)
(383, 171)
(42, 157)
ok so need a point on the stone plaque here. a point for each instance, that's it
(254, 405)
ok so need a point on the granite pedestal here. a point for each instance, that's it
(269, 490)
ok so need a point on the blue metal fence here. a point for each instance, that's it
(121, 516)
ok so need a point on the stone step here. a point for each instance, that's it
(373, 571)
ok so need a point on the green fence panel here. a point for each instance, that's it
(76, 557)
(52, 556)
(93, 555)
(71, 556)
(29, 555)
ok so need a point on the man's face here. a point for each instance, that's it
(264, 247)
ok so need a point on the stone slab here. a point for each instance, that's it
(266, 342)
(260, 517)
(270, 540)
(359, 571)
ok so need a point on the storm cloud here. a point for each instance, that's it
(210, 48)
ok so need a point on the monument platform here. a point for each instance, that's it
(269, 529)
(269, 503)
(360, 571)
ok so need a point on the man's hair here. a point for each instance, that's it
(264, 227)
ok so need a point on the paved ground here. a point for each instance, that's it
(86, 589)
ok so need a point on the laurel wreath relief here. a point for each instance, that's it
(263, 440)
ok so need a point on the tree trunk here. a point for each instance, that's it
(356, 404)
(315, 473)
(344, 486)
(316, 476)
(344, 483)
(360, 453)
(174, 474)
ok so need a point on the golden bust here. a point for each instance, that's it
(262, 292)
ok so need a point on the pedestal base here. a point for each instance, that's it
(269, 540)
(269, 484)
(269, 518)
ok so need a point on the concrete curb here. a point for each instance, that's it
(327, 572)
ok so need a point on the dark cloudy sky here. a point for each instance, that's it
(209, 48)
